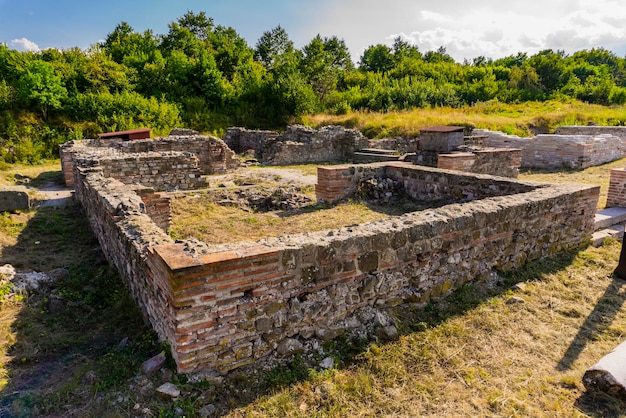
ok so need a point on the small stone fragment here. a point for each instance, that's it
(56, 304)
(290, 346)
(207, 411)
(152, 365)
(168, 391)
(515, 300)
(520, 286)
(327, 363)
(389, 332)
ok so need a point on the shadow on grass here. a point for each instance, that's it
(70, 326)
(603, 314)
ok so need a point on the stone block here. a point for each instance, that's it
(14, 198)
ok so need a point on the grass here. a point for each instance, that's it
(597, 175)
(516, 119)
(202, 218)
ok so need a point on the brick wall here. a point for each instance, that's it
(617, 189)
(223, 307)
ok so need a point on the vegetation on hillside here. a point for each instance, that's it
(205, 76)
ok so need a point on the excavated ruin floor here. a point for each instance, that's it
(257, 203)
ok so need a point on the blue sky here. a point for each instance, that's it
(492, 28)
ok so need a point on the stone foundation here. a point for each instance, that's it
(226, 306)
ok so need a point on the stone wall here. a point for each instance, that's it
(403, 145)
(212, 155)
(223, 307)
(618, 131)
(617, 189)
(160, 170)
(556, 151)
(298, 144)
(337, 183)
(125, 232)
(495, 161)
(241, 140)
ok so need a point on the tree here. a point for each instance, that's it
(440, 55)
(273, 44)
(377, 58)
(199, 24)
(322, 62)
(41, 86)
(402, 50)
(550, 68)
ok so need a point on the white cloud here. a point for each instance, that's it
(24, 44)
(489, 28)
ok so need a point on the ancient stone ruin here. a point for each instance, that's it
(570, 147)
(222, 307)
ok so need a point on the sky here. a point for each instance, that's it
(467, 29)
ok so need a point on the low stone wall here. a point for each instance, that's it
(618, 131)
(555, 151)
(337, 183)
(125, 232)
(495, 161)
(402, 145)
(214, 156)
(225, 306)
(617, 189)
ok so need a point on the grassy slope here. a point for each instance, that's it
(521, 119)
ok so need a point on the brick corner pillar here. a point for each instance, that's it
(617, 189)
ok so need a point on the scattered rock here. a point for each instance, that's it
(609, 374)
(289, 346)
(90, 378)
(58, 274)
(56, 304)
(207, 411)
(123, 343)
(390, 332)
(327, 363)
(515, 300)
(152, 365)
(520, 286)
(168, 391)
(146, 391)
(179, 412)
(167, 375)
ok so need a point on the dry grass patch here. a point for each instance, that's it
(201, 217)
